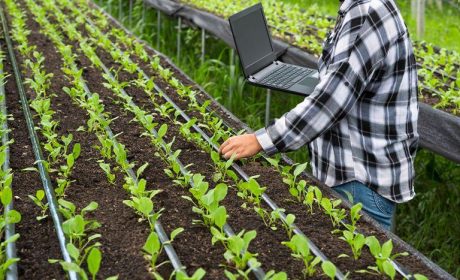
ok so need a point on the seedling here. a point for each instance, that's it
(301, 250)
(38, 200)
(108, 172)
(153, 248)
(382, 255)
(223, 168)
(330, 208)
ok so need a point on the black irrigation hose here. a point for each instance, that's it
(398, 267)
(258, 272)
(424, 260)
(316, 251)
(49, 191)
(12, 272)
(172, 255)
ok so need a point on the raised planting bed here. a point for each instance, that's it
(138, 190)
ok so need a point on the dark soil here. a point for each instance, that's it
(38, 240)
(121, 252)
(313, 225)
(122, 235)
(194, 244)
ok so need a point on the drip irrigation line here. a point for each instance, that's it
(12, 272)
(46, 181)
(426, 109)
(316, 251)
(257, 271)
(401, 270)
(172, 255)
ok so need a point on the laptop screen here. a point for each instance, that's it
(251, 36)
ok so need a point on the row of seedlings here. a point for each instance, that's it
(252, 183)
(9, 216)
(356, 240)
(43, 165)
(81, 243)
(237, 252)
(111, 149)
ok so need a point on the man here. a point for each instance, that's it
(361, 120)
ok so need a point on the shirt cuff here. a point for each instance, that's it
(265, 141)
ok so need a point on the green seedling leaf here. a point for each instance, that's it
(162, 130)
(73, 251)
(329, 269)
(299, 169)
(40, 194)
(13, 217)
(389, 269)
(91, 207)
(175, 233)
(220, 216)
(387, 247)
(94, 261)
(420, 277)
(145, 206)
(6, 195)
(141, 169)
(34, 169)
(152, 245)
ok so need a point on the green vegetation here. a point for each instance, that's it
(248, 103)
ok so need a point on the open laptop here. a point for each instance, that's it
(258, 58)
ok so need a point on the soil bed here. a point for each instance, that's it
(38, 241)
(307, 223)
(122, 235)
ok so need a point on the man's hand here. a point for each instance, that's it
(243, 146)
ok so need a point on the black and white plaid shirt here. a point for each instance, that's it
(361, 119)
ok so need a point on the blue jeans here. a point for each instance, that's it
(375, 205)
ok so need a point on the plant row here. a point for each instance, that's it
(222, 167)
(8, 216)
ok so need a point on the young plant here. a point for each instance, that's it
(330, 207)
(350, 235)
(296, 189)
(301, 250)
(107, 170)
(38, 200)
(223, 168)
(153, 248)
(252, 192)
(383, 256)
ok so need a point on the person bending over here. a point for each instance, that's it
(360, 122)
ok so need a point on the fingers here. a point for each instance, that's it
(225, 144)
(229, 154)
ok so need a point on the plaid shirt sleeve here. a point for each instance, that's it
(364, 34)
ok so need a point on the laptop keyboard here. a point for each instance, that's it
(285, 76)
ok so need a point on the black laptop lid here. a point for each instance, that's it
(252, 39)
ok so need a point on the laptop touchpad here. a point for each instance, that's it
(309, 81)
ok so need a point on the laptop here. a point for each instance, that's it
(258, 58)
